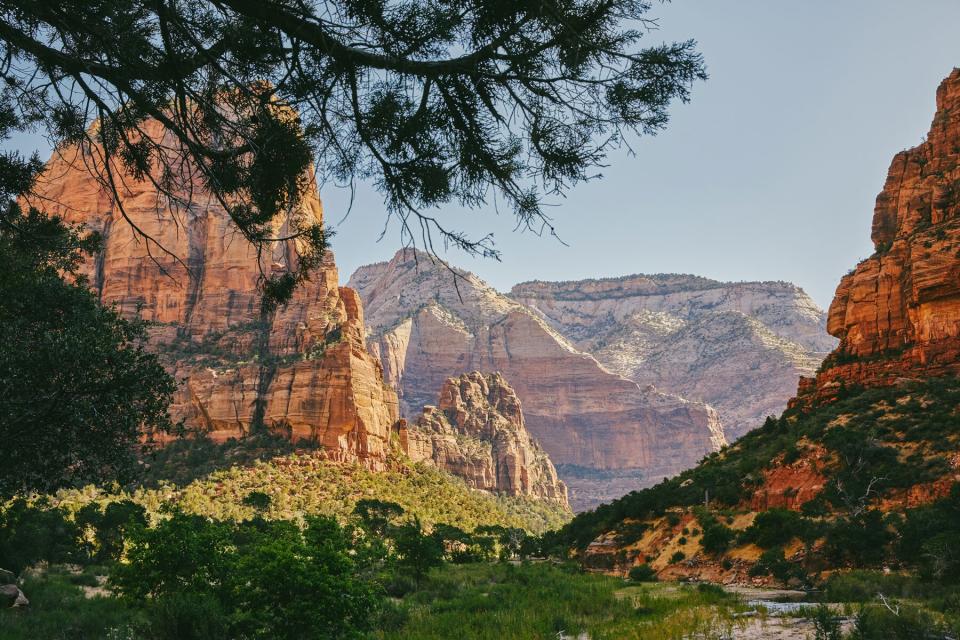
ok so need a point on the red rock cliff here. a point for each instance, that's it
(477, 431)
(897, 314)
(304, 368)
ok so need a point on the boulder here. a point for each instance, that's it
(11, 596)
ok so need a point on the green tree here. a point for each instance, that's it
(259, 500)
(290, 584)
(111, 525)
(257, 579)
(376, 516)
(416, 551)
(642, 573)
(859, 541)
(78, 392)
(183, 554)
(432, 102)
(30, 533)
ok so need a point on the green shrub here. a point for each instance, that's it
(826, 626)
(258, 500)
(642, 573)
(630, 532)
(188, 616)
(859, 541)
(904, 622)
(679, 556)
(863, 586)
(59, 610)
(772, 562)
(716, 537)
(775, 528)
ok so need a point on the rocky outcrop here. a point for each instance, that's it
(476, 431)
(12, 596)
(179, 263)
(429, 323)
(736, 346)
(897, 313)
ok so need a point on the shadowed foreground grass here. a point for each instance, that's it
(476, 601)
(60, 611)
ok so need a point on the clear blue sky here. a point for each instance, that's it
(769, 174)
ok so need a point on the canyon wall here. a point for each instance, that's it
(476, 431)
(182, 266)
(429, 322)
(897, 313)
(736, 346)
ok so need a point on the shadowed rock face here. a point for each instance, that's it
(736, 346)
(304, 368)
(476, 431)
(897, 314)
(427, 326)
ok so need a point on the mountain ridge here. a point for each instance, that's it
(427, 326)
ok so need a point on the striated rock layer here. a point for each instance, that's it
(303, 369)
(736, 346)
(429, 323)
(477, 432)
(897, 314)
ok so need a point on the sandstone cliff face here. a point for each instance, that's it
(736, 346)
(897, 314)
(427, 327)
(304, 368)
(476, 431)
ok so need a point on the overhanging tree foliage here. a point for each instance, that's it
(434, 101)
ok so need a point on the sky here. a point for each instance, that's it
(769, 173)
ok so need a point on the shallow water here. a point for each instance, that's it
(779, 608)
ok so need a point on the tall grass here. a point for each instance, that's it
(495, 602)
(60, 611)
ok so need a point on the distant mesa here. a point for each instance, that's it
(427, 325)
(624, 381)
(738, 347)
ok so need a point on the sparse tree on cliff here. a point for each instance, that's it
(434, 102)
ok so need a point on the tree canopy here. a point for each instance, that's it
(78, 392)
(433, 101)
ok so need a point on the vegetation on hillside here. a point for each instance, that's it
(200, 477)
(878, 441)
(285, 594)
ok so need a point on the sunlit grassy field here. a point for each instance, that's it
(536, 601)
